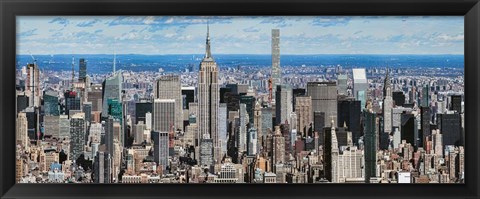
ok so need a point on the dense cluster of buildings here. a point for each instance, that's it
(233, 126)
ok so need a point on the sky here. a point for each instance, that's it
(159, 35)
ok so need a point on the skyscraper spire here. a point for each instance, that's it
(207, 50)
(387, 87)
(387, 77)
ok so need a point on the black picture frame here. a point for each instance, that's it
(9, 9)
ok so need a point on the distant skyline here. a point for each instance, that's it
(150, 35)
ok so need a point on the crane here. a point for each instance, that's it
(73, 71)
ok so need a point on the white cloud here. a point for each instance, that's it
(186, 34)
(445, 37)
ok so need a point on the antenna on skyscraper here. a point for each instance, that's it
(207, 50)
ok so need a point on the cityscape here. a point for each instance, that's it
(251, 113)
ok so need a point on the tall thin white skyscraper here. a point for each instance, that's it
(276, 71)
(208, 96)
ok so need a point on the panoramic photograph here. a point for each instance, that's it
(240, 99)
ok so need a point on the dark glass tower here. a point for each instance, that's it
(142, 108)
(398, 98)
(450, 128)
(370, 145)
(249, 101)
(348, 114)
(82, 72)
(50, 101)
(72, 101)
(456, 103)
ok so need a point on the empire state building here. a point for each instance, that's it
(208, 100)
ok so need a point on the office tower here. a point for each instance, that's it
(370, 145)
(283, 103)
(50, 101)
(72, 101)
(252, 142)
(148, 120)
(350, 164)
(87, 109)
(227, 174)
(208, 96)
(456, 103)
(206, 151)
(103, 167)
(342, 84)
(344, 137)
(324, 98)
(267, 123)
(360, 85)
(221, 150)
(318, 125)
(278, 149)
(292, 126)
(397, 115)
(138, 134)
(348, 115)
(437, 141)
(64, 127)
(409, 129)
(223, 92)
(425, 96)
(115, 109)
(396, 138)
(95, 96)
(450, 128)
(303, 109)
(141, 109)
(425, 124)
(22, 101)
(96, 134)
(82, 72)
(276, 70)
(330, 153)
(77, 135)
(32, 86)
(233, 88)
(298, 92)
(242, 135)
(398, 98)
(163, 114)
(169, 87)
(112, 89)
(188, 96)
(286, 134)
(387, 105)
(232, 100)
(109, 135)
(33, 121)
(249, 102)
(257, 123)
(51, 125)
(160, 148)
(22, 130)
